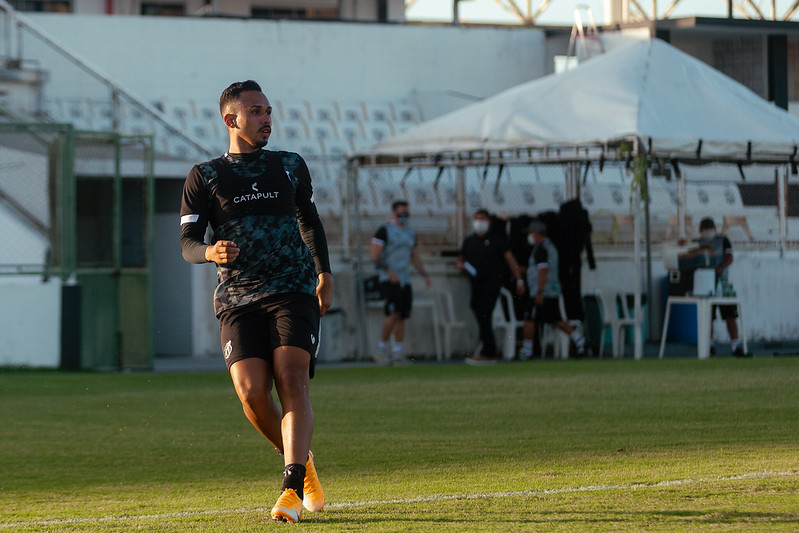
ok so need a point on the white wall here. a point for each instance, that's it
(30, 322)
(196, 58)
(763, 281)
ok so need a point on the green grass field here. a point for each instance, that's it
(671, 445)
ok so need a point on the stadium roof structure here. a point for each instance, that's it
(647, 95)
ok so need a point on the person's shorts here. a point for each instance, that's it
(548, 312)
(726, 311)
(398, 298)
(257, 329)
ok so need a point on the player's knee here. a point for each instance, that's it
(253, 393)
(292, 382)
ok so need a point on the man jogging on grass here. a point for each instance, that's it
(274, 281)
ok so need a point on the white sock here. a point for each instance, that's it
(734, 343)
(382, 346)
(397, 350)
(527, 346)
(577, 337)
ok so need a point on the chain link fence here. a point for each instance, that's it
(756, 206)
(34, 184)
(72, 200)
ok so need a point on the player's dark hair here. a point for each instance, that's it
(398, 203)
(231, 94)
(483, 212)
(707, 223)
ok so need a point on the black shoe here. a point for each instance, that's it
(739, 352)
(712, 350)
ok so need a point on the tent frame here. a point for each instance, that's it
(627, 150)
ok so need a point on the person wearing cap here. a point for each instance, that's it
(544, 286)
(720, 251)
(482, 258)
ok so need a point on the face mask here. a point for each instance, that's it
(403, 219)
(480, 226)
(530, 240)
(707, 234)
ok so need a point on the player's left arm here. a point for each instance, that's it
(515, 270)
(313, 234)
(416, 259)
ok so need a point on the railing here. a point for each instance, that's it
(13, 45)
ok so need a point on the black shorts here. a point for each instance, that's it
(548, 312)
(726, 311)
(398, 298)
(257, 329)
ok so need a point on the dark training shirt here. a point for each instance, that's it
(263, 202)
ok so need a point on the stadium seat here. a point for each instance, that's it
(405, 113)
(739, 221)
(609, 306)
(336, 148)
(504, 319)
(353, 112)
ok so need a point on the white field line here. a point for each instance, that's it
(402, 501)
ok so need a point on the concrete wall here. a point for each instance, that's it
(196, 58)
(30, 322)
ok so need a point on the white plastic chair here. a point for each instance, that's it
(611, 318)
(447, 319)
(505, 320)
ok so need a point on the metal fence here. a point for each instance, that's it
(35, 194)
(756, 206)
(79, 93)
(79, 206)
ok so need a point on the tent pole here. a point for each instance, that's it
(782, 205)
(638, 351)
(360, 297)
(460, 203)
(648, 237)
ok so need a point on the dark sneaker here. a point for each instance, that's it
(739, 352)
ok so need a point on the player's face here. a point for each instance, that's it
(252, 122)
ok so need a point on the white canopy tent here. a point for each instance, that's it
(677, 106)
(643, 102)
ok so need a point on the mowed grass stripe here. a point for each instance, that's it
(406, 501)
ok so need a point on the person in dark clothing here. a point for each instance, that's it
(482, 257)
(274, 277)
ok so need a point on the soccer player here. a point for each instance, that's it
(544, 286)
(274, 277)
(392, 250)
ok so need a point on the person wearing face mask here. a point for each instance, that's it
(482, 258)
(720, 250)
(393, 250)
(544, 286)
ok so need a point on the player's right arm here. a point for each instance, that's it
(194, 218)
(376, 246)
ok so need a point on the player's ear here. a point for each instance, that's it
(230, 120)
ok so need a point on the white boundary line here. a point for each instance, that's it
(406, 501)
